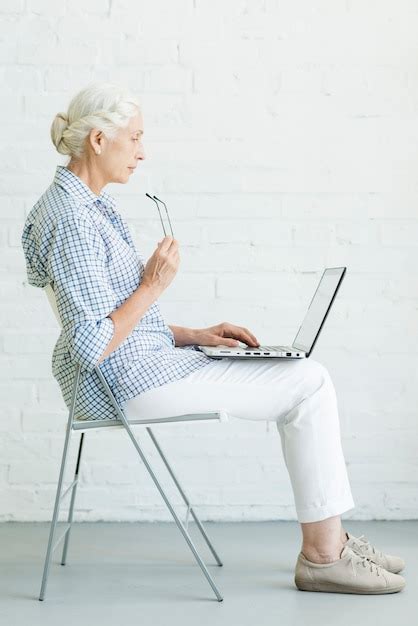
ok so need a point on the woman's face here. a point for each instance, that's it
(119, 157)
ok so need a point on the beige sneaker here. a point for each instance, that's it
(352, 573)
(360, 545)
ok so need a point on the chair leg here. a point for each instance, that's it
(50, 547)
(172, 511)
(185, 498)
(54, 517)
(73, 495)
(184, 532)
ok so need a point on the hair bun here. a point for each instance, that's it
(58, 127)
(63, 117)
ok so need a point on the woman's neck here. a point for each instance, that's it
(92, 177)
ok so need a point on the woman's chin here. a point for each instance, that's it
(123, 178)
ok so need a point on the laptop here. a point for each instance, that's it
(308, 333)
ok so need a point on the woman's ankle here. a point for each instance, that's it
(326, 554)
(323, 541)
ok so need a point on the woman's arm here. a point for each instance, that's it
(127, 316)
(184, 336)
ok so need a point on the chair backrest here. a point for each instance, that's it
(52, 301)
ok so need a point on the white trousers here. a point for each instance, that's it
(298, 395)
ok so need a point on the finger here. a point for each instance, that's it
(255, 340)
(223, 341)
(250, 341)
(238, 332)
(174, 246)
(166, 243)
(231, 343)
(249, 338)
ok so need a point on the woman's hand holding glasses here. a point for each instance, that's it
(162, 265)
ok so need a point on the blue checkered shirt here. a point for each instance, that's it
(79, 243)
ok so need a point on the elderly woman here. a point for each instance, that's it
(75, 239)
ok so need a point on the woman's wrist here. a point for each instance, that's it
(185, 336)
(194, 336)
(149, 289)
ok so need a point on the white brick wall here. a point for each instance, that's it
(284, 138)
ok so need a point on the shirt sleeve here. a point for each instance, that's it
(35, 271)
(84, 296)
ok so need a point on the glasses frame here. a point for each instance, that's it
(157, 200)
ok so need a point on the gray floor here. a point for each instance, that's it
(145, 574)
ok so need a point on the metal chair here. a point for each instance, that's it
(83, 425)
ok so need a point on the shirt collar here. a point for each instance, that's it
(78, 189)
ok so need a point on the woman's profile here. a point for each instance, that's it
(75, 239)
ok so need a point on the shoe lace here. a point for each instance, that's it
(364, 561)
(363, 544)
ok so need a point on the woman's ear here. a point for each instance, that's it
(96, 139)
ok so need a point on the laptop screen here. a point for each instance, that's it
(318, 308)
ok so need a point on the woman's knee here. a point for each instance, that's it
(312, 388)
(315, 376)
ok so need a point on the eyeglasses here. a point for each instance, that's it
(157, 200)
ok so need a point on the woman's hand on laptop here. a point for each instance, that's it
(225, 334)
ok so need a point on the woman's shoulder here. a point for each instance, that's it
(56, 205)
(56, 215)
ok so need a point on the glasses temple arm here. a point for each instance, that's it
(159, 212)
(169, 221)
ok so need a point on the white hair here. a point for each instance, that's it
(105, 106)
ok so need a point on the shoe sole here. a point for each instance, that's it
(335, 588)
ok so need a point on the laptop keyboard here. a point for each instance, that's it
(280, 348)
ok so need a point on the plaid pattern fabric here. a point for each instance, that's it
(79, 243)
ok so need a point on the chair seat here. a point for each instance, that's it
(220, 416)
